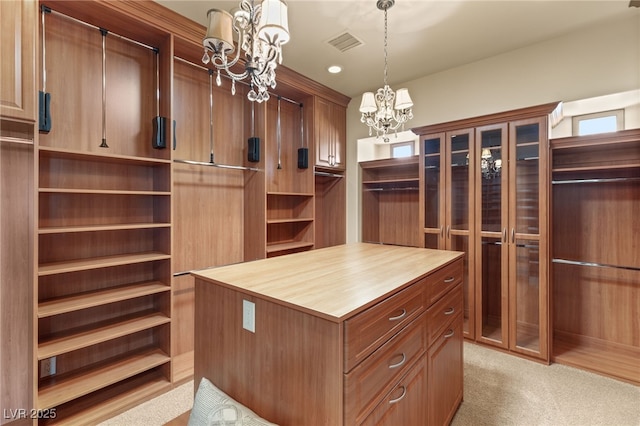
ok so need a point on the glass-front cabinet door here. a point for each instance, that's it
(433, 195)
(459, 226)
(492, 267)
(511, 289)
(448, 211)
(527, 250)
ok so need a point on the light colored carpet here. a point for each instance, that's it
(499, 390)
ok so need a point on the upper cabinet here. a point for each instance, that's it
(331, 134)
(17, 44)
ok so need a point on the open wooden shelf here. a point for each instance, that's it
(293, 245)
(99, 262)
(97, 228)
(91, 299)
(92, 336)
(74, 386)
(292, 220)
(102, 157)
(100, 191)
(95, 408)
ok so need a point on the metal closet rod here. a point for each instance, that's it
(229, 78)
(220, 166)
(599, 265)
(327, 174)
(595, 180)
(48, 9)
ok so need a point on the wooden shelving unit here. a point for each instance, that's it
(289, 222)
(104, 228)
(390, 197)
(595, 274)
(104, 280)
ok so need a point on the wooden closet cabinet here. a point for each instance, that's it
(596, 260)
(484, 190)
(390, 201)
(331, 134)
(18, 47)
(511, 187)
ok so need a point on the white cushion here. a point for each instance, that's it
(212, 407)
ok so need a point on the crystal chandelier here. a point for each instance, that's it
(261, 31)
(386, 110)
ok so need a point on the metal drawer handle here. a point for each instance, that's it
(402, 315)
(449, 280)
(396, 365)
(449, 334)
(449, 311)
(404, 392)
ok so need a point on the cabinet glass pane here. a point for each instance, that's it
(528, 294)
(527, 189)
(432, 149)
(460, 182)
(431, 241)
(492, 288)
(461, 243)
(491, 168)
(528, 133)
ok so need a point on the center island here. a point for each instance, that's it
(346, 335)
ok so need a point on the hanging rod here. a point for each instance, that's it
(327, 174)
(212, 164)
(229, 78)
(602, 180)
(48, 9)
(408, 188)
(598, 265)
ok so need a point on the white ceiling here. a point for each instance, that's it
(425, 36)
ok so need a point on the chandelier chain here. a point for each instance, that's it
(385, 45)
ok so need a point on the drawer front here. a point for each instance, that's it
(406, 404)
(375, 376)
(368, 330)
(441, 313)
(443, 280)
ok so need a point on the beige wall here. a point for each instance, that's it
(592, 62)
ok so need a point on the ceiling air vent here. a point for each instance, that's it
(344, 42)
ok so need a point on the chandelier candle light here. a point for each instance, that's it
(386, 110)
(261, 31)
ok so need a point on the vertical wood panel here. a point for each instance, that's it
(16, 275)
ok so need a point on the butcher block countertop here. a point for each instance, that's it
(335, 282)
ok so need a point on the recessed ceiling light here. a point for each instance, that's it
(334, 69)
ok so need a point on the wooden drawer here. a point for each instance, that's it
(443, 280)
(376, 375)
(441, 313)
(406, 404)
(368, 330)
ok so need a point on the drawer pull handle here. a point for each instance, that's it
(449, 311)
(448, 334)
(449, 280)
(398, 364)
(404, 392)
(402, 315)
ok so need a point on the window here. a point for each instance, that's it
(402, 149)
(601, 122)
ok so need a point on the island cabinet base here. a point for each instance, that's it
(346, 335)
